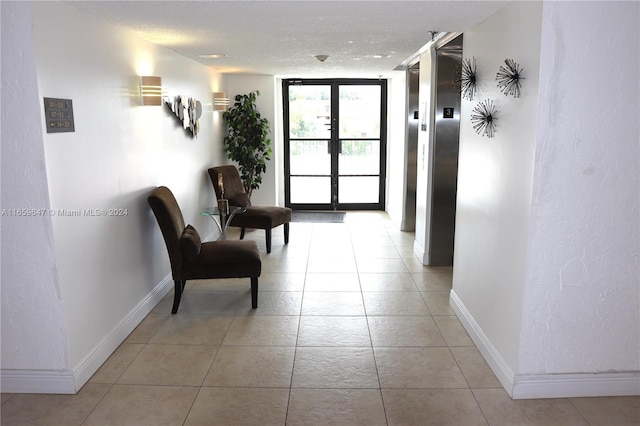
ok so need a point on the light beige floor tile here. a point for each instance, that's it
(143, 405)
(332, 303)
(376, 252)
(404, 331)
(286, 264)
(209, 302)
(351, 407)
(438, 302)
(413, 264)
(499, 410)
(474, 368)
(179, 365)
(441, 407)
(189, 329)
(433, 281)
(148, 327)
(54, 410)
(281, 281)
(332, 282)
(117, 363)
(369, 266)
(333, 331)
(332, 265)
(275, 303)
(602, 411)
(221, 284)
(262, 331)
(418, 368)
(387, 282)
(402, 303)
(453, 331)
(334, 367)
(239, 406)
(251, 366)
(362, 239)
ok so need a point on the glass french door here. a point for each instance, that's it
(335, 144)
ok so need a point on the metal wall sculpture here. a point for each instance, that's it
(509, 78)
(483, 118)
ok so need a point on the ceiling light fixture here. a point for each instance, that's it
(322, 58)
(213, 56)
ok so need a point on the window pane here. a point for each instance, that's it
(310, 190)
(359, 112)
(358, 190)
(310, 111)
(309, 158)
(359, 158)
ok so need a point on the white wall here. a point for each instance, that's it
(396, 148)
(425, 152)
(495, 177)
(581, 305)
(112, 270)
(33, 329)
(546, 262)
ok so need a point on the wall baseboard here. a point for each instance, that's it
(500, 368)
(544, 385)
(70, 382)
(576, 385)
(36, 381)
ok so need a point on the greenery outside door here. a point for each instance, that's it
(335, 144)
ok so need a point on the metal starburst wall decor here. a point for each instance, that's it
(468, 78)
(483, 118)
(509, 78)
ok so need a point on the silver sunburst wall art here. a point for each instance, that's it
(468, 78)
(510, 78)
(483, 117)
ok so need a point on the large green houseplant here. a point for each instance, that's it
(247, 142)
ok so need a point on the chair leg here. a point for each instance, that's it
(286, 233)
(254, 292)
(242, 232)
(268, 238)
(179, 288)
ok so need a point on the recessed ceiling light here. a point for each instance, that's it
(213, 56)
(380, 56)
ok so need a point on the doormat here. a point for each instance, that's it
(317, 217)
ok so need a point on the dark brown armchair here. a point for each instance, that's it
(258, 217)
(192, 259)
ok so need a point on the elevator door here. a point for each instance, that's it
(334, 144)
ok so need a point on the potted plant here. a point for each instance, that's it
(247, 142)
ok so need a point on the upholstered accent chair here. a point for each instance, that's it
(257, 217)
(192, 259)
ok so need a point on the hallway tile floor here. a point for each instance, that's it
(350, 330)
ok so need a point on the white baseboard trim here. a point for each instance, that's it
(35, 381)
(500, 368)
(70, 382)
(418, 250)
(576, 385)
(103, 350)
(544, 385)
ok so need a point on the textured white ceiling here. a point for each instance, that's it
(283, 37)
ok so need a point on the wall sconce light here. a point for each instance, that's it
(220, 101)
(151, 90)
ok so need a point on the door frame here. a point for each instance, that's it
(335, 83)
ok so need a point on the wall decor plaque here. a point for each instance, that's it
(59, 115)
